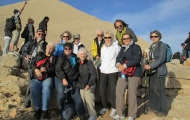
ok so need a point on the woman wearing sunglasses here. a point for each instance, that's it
(122, 28)
(129, 56)
(108, 71)
(157, 57)
(67, 71)
(65, 37)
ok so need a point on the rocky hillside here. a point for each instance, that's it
(62, 17)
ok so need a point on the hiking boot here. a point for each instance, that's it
(103, 111)
(131, 118)
(113, 113)
(37, 114)
(45, 115)
(118, 117)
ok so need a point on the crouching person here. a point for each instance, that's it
(43, 67)
(67, 71)
(87, 83)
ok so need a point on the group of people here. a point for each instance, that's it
(65, 66)
(186, 48)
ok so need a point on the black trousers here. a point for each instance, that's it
(105, 80)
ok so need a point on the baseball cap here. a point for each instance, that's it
(76, 36)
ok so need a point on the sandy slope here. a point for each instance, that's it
(62, 17)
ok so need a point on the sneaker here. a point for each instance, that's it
(159, 114)
(103, 111)
(113, 113)
(117, 117)
(131, 118)
(45, 115)
(37, 114)
(92, 118)
(11, 52)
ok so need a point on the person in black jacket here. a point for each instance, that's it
(87, 83)
(132, 53)
(43, 24)
(187, 46)
(43, 67)
(67, 71)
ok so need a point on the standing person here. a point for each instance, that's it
(43, 67)
(122, 28)
(184, 53)
(87, 83)
(65, 37)
(16, 33)
(187, 46)
(157, 56)
(76, 43)
(109, 72)
(97, 44)
(132, 53)
(67, 71)
(43, 24)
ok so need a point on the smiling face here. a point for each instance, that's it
(155, 38)
(49, 49)
(65, 37)
(100, 35)
(82, 55)
(108, 39)
(126, 39)
(119, 26)
(39, 35)
(67, 51)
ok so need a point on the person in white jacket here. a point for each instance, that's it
(109, 72)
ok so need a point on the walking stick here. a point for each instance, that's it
(145, 97)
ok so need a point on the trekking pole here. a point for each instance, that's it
(145, 80)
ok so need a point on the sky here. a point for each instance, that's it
(170, 17)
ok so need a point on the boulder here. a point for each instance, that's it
(11, 60)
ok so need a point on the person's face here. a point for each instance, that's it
(145, 55)
(65, 37)
(126, 39)
(155, 38)
(76, 41)
(108, 39)
(49, 49)
(82, 56)
(119, 26)
(67, 51)
(99, 35)
(39, 36)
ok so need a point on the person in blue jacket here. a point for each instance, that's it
(65, 37)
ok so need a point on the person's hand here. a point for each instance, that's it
(25, 2)
(120, 67)
(64, 81)
(147, 67)
(38, 72)
(43, 69)
(27, 57)
(87, 87)
(97, 57)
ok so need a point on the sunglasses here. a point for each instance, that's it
(67, 49)
(126, 38)
(119, 26)
(153, 36)
(66, 36)
(40, 34)
(99, 35)
(107, 37)
(76, 38)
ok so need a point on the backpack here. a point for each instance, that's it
(25, 33)
(168, 53)
(10, 23)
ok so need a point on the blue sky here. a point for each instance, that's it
(170, 17)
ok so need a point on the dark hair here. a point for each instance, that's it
(123, 23)
(182, 44)
(69, 45)
(46, 18)
(30, 20)
(15, 11)
(157, 33)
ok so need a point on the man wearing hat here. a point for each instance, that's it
(76, 43)
(16, 33)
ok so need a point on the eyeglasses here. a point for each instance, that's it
(126, 38)
(66, 36)
(67, 49)
(107, 37)
(76, 38)
(99, 35)
(154, 36)
(40, 34)
(119, 26)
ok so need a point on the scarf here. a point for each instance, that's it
(119, 35)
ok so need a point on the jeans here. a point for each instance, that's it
(75, 95)
(7, 41)
(188, 52)
(45, 88)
